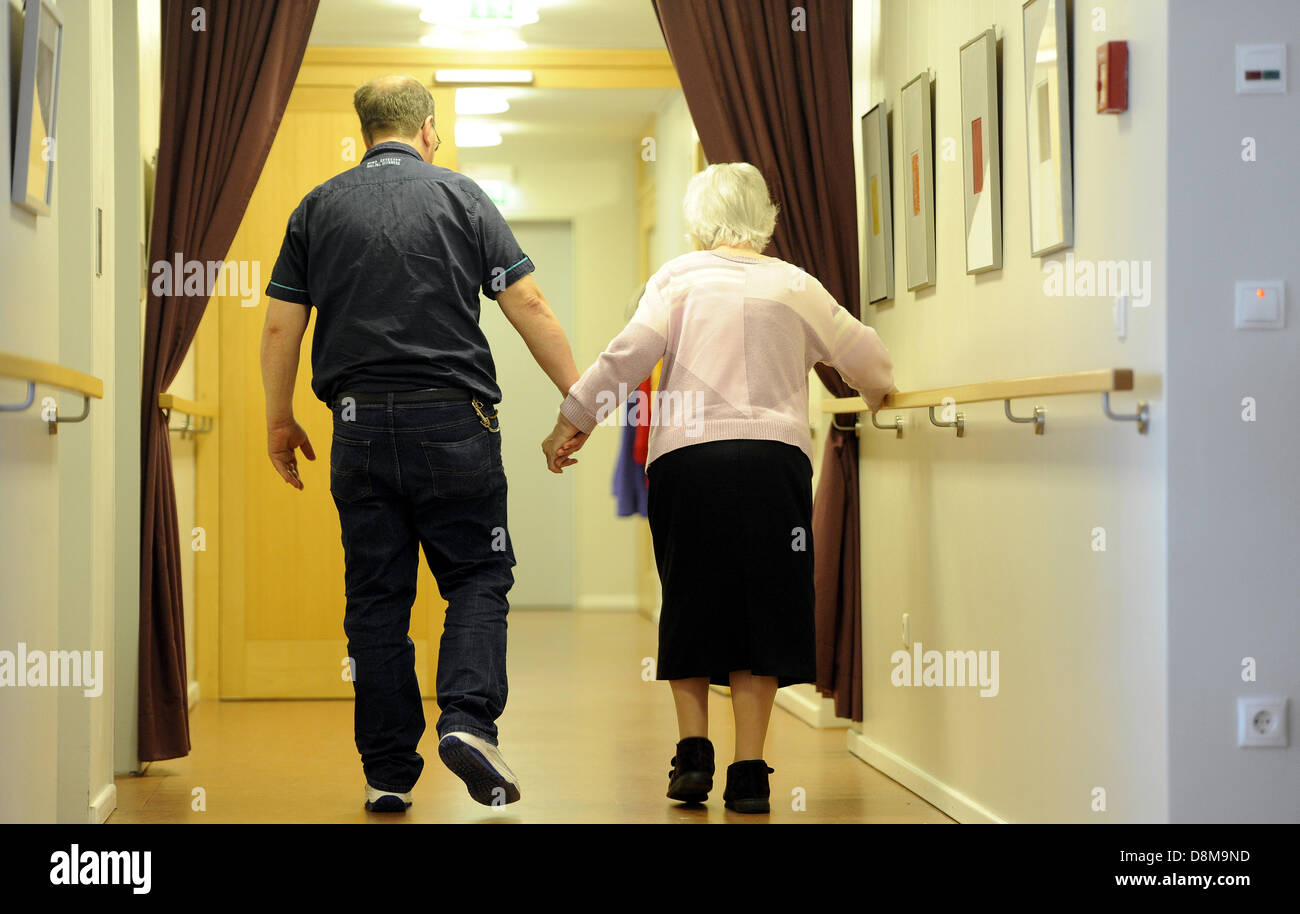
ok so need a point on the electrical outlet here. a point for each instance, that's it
(907, 630)
(1261, 721)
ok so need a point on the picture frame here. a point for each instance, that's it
(1047, 125)
(981, 152)
(32, 185)
(878, 210)
(918, 181)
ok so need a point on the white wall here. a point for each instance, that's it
(986, 541)
(136, 100)
(29, 480)
(593, 185)
(59, 560)
(673, 166)
(1234, 490)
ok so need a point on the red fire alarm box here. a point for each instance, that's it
(1112, 77)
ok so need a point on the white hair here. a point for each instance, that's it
(728, 203)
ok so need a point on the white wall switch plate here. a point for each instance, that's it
(1259, 305)
(1261, 721)
(1261, 69)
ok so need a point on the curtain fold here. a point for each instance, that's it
(227, 70)
(771, 84)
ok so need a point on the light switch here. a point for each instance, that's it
(1261, 68)
(1260, 305)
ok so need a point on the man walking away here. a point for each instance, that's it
(392, 255)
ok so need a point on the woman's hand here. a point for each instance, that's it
(564, 440)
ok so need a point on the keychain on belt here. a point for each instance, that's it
(484, 418)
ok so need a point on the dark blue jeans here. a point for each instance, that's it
(405, 477)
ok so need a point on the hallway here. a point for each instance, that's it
(588, 738)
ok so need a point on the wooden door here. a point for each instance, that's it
(281, 558)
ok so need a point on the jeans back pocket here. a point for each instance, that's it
(464, 469)
(350, 469)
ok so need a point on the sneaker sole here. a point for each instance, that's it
(387, 804)
(690, 787)
(749, 806)
(485, 783)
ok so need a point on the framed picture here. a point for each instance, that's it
(1047, 125)
(981, 152)
(918, 181)
(38, 105)
(879, 212)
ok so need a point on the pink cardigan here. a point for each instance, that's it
(738, 336)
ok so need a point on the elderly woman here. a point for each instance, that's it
(730, 464)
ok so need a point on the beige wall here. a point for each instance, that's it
(986, 541)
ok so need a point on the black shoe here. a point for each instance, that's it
(692, 776)
(747, 787)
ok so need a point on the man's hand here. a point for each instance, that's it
(564, 439)
(281, 441)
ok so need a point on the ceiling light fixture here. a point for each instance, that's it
(474, 134)
(481, 101)
(480, 14)
(441, 36)
(501, 77)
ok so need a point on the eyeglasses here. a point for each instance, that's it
(437, 140)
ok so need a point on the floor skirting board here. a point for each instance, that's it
(607, 602)
(102, 806)
(806, 704)
(956, 804)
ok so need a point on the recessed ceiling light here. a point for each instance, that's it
(481, 101)
(474, 133)
(480, 14)
(505, 77)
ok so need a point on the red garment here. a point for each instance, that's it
(641, 450)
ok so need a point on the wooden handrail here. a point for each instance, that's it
(1078, 382)
(200, 410)
(37, 372)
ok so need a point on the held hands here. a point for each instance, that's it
(281, 440)
(563, 441)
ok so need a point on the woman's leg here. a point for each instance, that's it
(751, 703)
(691, 696)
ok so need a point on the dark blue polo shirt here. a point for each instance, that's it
(392, 254)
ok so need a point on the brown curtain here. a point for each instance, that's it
(227, 69)
(769, 82)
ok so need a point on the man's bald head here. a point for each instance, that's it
(392, 106)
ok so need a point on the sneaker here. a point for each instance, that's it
(386, 801)
(692, 776)
(479, 764)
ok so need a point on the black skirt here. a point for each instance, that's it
(732, 529)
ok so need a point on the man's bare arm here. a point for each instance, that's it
(286, 323)
(525, 307)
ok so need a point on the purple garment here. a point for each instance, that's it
(630, 492)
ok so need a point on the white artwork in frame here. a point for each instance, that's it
(32, 185)
(879, 213)
(1047, 125)
(981, 152)
(918, 181)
